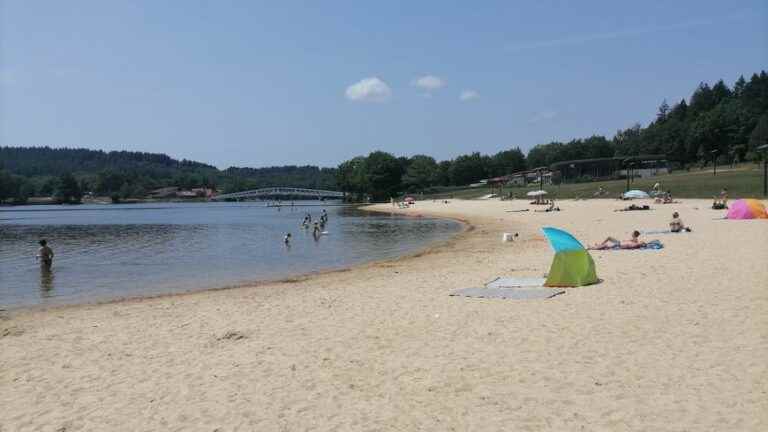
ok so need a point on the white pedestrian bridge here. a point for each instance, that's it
(279, 191)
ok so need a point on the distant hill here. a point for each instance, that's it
(46, 161)
(307, 176)
(37, 171)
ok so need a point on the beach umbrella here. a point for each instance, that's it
(572, 266)
(636, 194)
(746, 209)
(537, 193)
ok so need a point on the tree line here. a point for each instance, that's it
(69, 174)
(722, 122)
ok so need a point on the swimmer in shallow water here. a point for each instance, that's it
(45, 254)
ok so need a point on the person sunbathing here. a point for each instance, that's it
(551, 208)
(612, 243)
(632, 207)
(721, 202)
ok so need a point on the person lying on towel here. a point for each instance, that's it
(612, 243)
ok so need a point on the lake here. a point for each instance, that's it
(105, 252)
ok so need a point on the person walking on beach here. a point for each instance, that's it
(45, 255)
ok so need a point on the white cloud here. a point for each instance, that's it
(542, 116)
(468, 95)
(429, 82)
(369, 90)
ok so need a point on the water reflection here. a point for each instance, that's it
(46, 281)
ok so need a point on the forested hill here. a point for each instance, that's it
(727, 121)
(40, 171)
(307, 176)
(46, 161)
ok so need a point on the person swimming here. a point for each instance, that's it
(45, 254)
(287, 239)
(613, 243)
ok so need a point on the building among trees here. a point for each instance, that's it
(609, 168)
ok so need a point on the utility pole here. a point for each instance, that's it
(626, 169)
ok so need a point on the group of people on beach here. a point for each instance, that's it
(676, 225)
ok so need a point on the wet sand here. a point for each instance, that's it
(671, 340)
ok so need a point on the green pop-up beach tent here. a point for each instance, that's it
(572, 266)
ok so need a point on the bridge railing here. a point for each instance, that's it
(266, 192)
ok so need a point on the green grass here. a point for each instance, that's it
(745, 181)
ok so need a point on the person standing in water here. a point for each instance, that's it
(287, 239)
(45, 255)
(316, 230)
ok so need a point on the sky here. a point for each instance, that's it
(251, 83)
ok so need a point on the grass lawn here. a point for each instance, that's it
(745, 181)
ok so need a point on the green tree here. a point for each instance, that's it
(507, 162)
(759, 135)
(69, 190)
(467, 169)
(384, 173)
(421, 172)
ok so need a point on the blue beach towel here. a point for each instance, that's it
(654, 244)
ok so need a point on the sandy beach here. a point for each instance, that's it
(671, 340)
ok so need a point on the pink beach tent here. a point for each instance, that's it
(746, 209)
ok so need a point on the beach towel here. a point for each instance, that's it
(651, 245)
(654, 232)
(509, 293)
(516, 282)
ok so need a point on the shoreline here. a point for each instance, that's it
(253, 284)
(672, 339)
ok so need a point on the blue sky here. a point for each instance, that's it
(270, 83)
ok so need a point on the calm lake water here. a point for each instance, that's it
(114, 251)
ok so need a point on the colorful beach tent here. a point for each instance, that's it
(572, 266)
(746, 209)
(636, 194)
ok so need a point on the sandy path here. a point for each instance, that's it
(672, 340)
